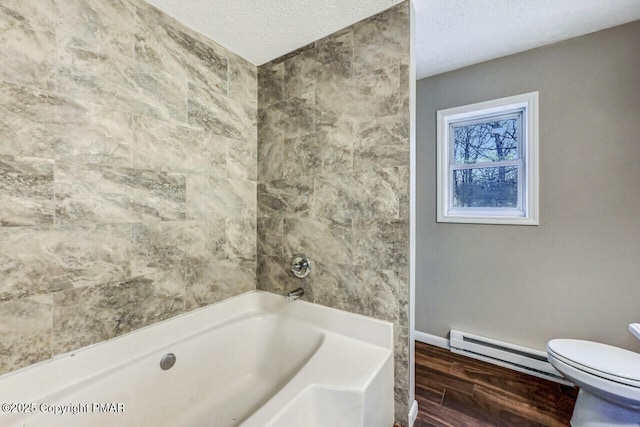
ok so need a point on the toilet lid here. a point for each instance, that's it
(613, 363)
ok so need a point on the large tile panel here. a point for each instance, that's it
(156, 247)
(44, 260)
(28, 124)
(205, 240)
(381, 244)
(212, 197)
(269, 236)
(316, 153)
(91, 134)
(359, 290)
(217, 280)
(382, 41)
(157, 297)
(160, 145)
(26, 191)
(286, 197)
(381, 142)
(216, 113)
(370, 194)
(111, 112)
(28, 40)
(163, 43)
(270, 85)
(323, 240)
(25, 332)
(88, 315)
(157, 196)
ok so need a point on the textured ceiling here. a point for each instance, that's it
(450, 34)
(262, 30)
(455, 33)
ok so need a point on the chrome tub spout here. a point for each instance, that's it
(295, 294)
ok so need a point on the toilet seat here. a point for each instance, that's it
(604, 361)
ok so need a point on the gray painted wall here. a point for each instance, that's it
(577, 274)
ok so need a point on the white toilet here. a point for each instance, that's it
(608, 377)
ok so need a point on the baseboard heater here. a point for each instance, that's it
(522, 359)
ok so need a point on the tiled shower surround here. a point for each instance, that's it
(333, 173)
(146, 171)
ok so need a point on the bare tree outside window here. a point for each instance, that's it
(478, 150)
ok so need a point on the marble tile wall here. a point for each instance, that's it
(142, 166)
(128, 176)
(333, 174)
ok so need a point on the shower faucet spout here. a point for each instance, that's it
(295, 294)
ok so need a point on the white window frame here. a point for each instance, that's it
(527, 211)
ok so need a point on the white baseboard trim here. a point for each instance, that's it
(431, 339)
(413, 413)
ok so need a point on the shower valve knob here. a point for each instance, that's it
(300, 266)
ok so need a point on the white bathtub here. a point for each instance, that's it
(254, 360)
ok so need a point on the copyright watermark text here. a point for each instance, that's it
(68, 409)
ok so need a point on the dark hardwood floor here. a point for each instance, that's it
(454, 390)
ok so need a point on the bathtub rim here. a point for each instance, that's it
(89, 361)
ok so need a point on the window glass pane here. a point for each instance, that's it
(486, 187)
(487, 141)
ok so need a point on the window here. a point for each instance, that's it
(487, 162)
